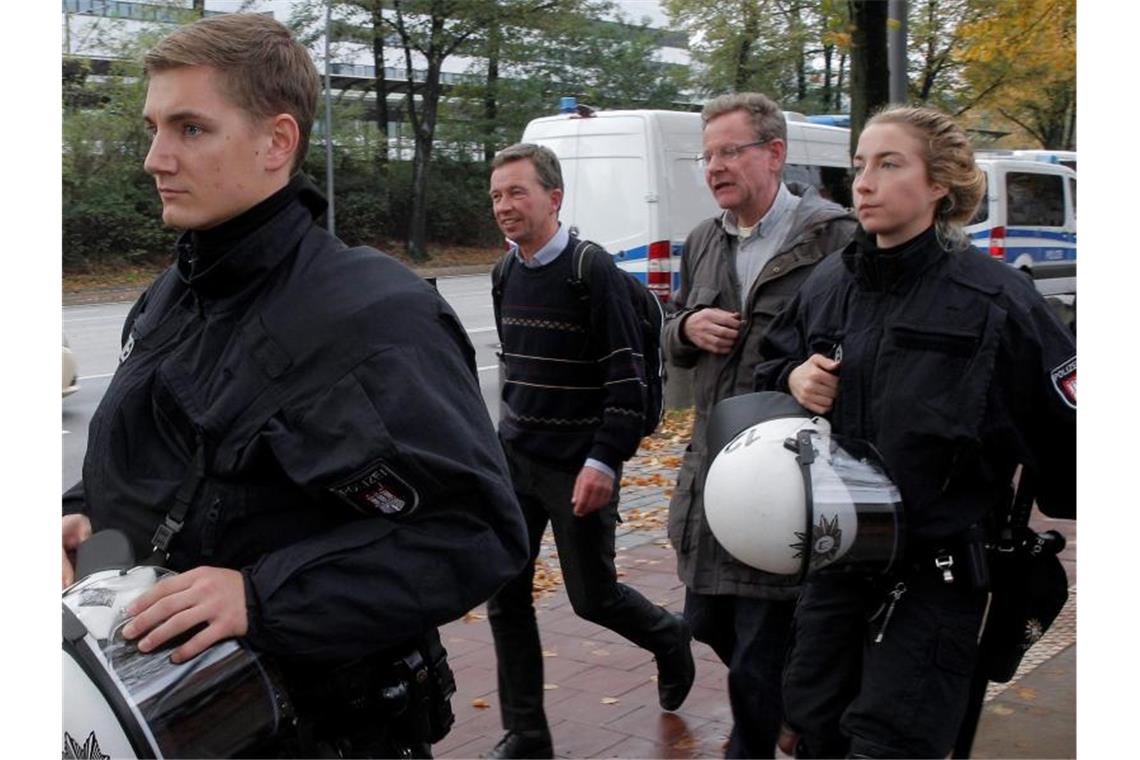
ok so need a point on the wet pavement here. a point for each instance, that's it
(601, 691)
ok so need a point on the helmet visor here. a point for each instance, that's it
(222, 703)
(856, 509)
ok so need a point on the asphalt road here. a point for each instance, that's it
(94, 334)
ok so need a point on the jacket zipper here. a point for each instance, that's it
(760, 280)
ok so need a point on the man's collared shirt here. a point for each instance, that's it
(756, 246)
(546, 254)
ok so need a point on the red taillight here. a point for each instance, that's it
(997, 243)
(659, 270)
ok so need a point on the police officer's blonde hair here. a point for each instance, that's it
(264, 71)
(949, 161)
(767, 117)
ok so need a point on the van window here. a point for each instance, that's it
(983, 212)
(832, 182)
(1036, 200)
(1073, 195)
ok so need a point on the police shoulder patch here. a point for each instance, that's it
(1064, 377)
(377, 489)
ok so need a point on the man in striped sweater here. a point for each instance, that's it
(574, 404)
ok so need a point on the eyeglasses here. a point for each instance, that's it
(728, 152)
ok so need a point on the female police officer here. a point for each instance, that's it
(953, 366)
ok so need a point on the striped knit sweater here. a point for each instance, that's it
(575, 376)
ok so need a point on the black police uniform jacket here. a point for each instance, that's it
(953, 366)
(349, 468)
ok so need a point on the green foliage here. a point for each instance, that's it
(111, 211)
(374, 201)
(791, 50)
(1019, 61)
(1000, 65)
(602, 64)
(117, 221)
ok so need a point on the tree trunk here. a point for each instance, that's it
(828, 50)
(417, 226)
(801, 77)
(382, 117)
(1071, 132)
(840, 80)
(749, 32)
(490, 95)
(870, 75)
(425, 138)
(199, 8)
(800, 42)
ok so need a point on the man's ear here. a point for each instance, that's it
(556, 199)
(284, 142)
(779, 150)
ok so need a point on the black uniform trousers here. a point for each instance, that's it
(586, 556)
(751, 637)
(902, 696)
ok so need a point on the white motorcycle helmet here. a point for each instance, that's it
(120, 702)
(785, 496)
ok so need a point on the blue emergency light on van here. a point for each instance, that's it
(831, 119)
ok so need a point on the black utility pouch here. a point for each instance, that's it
(1029, 589)
(975, 560)
(433, 685)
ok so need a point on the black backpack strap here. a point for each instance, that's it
(499, 274)
(580, 265)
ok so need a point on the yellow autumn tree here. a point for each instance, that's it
(1019, 62)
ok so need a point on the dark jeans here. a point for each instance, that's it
(750, 636)
(586, 555)
(901, 697)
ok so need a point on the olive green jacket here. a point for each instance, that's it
(708, 279)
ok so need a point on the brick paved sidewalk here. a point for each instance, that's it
(601, 697)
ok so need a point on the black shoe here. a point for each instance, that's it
(524, 744)
(676, 671)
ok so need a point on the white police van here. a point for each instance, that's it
(1063, 157)
(1028, 217)
(634, 186)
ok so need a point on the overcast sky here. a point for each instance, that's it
(635, 9)
(651, 8)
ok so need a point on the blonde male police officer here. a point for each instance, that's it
(264, 396)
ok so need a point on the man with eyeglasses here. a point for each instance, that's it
(738, 269)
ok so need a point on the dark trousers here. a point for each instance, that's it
(903, 696)
(586, 555)
(750, 636)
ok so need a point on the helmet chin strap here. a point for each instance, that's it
(805, 455)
